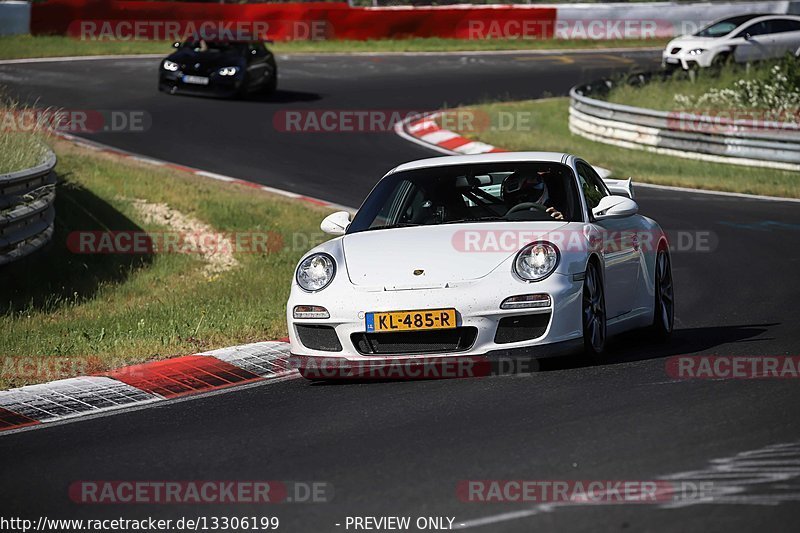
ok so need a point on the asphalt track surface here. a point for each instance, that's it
(400, 448)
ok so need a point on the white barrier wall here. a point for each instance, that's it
(650, 19)
(15, 18)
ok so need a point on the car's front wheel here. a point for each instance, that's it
(664, 308)
(594, 313)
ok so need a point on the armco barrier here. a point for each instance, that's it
(683, 134)
(27, 211)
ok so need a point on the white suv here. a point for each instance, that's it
(742, 39)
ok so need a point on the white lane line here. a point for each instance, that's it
(764, 476)
(504, 517)
(214, 175)
(716, 193)
(23, 61)
(550, 52)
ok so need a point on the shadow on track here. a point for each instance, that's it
(639, 346)
(625, 348)
(56, 275)
(284, 97)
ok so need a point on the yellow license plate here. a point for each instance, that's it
(411, 320)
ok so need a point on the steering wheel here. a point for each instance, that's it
(526, 205)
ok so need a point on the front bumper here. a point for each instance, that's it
(685, 60)
(500, 362)
(172, 82)
(477, 305)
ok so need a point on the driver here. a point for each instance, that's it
(520, 188)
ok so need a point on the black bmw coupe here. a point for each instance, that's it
(218, 68)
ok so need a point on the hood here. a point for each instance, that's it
(192, 62)
(692, 41)
(447, 253)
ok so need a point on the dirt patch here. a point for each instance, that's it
(190, 236)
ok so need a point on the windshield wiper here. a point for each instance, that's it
(392, 226)
(476, 219)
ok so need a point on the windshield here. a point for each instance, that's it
(724, 26)
(470, 193)
(213, 47)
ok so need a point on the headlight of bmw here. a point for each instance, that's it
(228, 71)
(170, 65)
(696, 51)
(315, 272)
(536, 261)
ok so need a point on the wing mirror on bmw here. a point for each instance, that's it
(336, 223)
(614, 207)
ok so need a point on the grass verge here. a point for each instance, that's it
(25, 46)
(18, 150)
(549, 131)
(92, 312)
(770, 86)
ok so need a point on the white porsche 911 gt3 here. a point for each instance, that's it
(496, 254)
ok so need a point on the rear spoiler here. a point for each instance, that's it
(620, 187)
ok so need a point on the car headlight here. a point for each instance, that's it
(536, 261)
(228, 71)
(315, 272)
(170, 65)
(696, 51)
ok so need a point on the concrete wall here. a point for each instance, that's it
(15, 18)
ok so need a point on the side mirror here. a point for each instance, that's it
(615, 207)
(336, 223)
(747, 36)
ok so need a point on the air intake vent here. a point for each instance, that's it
(321, 338)
(521, 328)
(415, 342)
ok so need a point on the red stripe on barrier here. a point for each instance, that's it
(497, 150)
(12, 420)
(294, 20)
(455, 142)
(183, 375)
